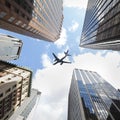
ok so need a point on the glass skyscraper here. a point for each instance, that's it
(92, 98)
(40, 19)
(101, 28)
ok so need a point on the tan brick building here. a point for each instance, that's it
(40, 19)
(15, 86)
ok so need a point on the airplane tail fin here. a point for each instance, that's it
(66, 53)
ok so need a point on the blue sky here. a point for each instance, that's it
(54, 81)
(33, 49)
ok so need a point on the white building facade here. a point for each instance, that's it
(10, 47)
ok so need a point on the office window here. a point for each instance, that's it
(7, 4)
(8, 90)
(28, 27)
(2, 14)
(14, 86)
(2, 82)
(16, 10)
(20, 82)
(1, 95)
(24, 25)
(18, 22)
(11, 19)
(9, 78)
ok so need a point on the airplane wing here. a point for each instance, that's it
(55, 63)
(64, 62)
(56, 58)
(61, 61)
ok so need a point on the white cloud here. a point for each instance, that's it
(63, 39)
(74, 26)
(54, 82)
(78, 40)
(66, 48)
(81, 49)
(75, 3)
(46, 60)
(47, 46)
(106, 65)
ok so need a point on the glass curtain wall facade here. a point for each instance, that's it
(40, 19)
(92, 98)
(101, 28)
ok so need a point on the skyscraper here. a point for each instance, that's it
(41, 19)
(101, 28)
(10, 47)
(15, 86)
(92, 98)
(23, 111)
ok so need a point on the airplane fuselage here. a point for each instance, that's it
(61, 61)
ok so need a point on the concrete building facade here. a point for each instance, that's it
(40, 19)
(15, 86)
(10, 47)
(92, 98)
(101, 28)
(24, 110)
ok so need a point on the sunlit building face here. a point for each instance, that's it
(91, 97)
(40, 19)
(15, 87)
(101, 28)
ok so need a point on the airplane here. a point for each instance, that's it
(61, 61)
